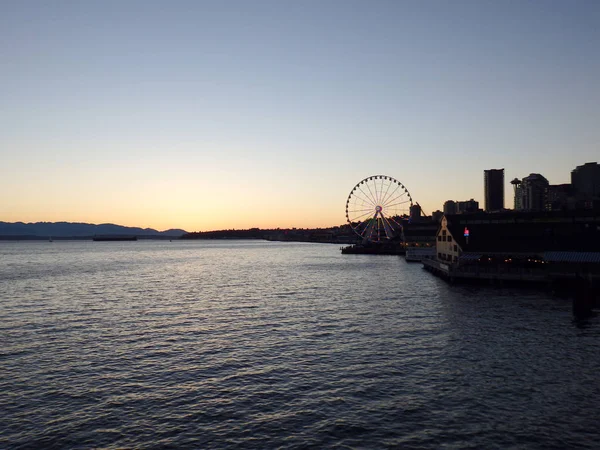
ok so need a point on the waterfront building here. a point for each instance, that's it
(585, 180)
(421, 234)
(531, 193)
(419, 239)
(466, 237)
(493, 185)
(561, 248)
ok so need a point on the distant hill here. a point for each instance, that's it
(71, 229)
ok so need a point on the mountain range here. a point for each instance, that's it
(79, 230)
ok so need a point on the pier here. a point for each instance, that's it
(490, 273)
(578, 280)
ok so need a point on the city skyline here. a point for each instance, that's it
(201, 116)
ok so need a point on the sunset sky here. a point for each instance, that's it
(232, 114)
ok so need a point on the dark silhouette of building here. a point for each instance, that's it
(419, 234)
(493, 185)
(449, 207)
(467, 207)
(559, 197)
(531, 193)
(585, 179)
(546, 247)
(460, 207)
(415, 212)
(436, 216)
(525, 233)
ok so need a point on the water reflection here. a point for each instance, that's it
(262, 345)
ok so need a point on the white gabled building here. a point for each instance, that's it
(447, 246)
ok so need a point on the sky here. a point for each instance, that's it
(208, 115)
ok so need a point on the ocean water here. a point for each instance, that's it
(252, 344)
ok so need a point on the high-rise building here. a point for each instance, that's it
(586, 179)
(531, 193)
(560, 197)
(460, 207)
(415, 212)
(493, 186)
(467, 207)
(436, 216)
(449, 207)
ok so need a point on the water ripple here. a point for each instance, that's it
(272, 345)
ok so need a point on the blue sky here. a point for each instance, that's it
(205, 115)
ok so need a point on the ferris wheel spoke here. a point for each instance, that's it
(370, 192)
(391, 219)
(389, 229)
(362, 226)
(385, 187)
(358, 227)
(396, 204)
(364, 200)
(381, 189)
(386, 221)
(366, 228)
(376, 189)
(387, 203)
(363, 193)
(360, 210)
(367, 197)
(391, 195)
(369, 229)
(386, 192)
(362, 215)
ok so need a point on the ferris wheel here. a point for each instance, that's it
(375, 206)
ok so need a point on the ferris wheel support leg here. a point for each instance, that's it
(389, 231)
(369, 229)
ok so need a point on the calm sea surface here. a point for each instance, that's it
(252, 344)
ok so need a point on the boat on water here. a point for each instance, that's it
(113, 238)
(373, 249)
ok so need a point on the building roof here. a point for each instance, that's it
(573, 257)
(533, 177)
